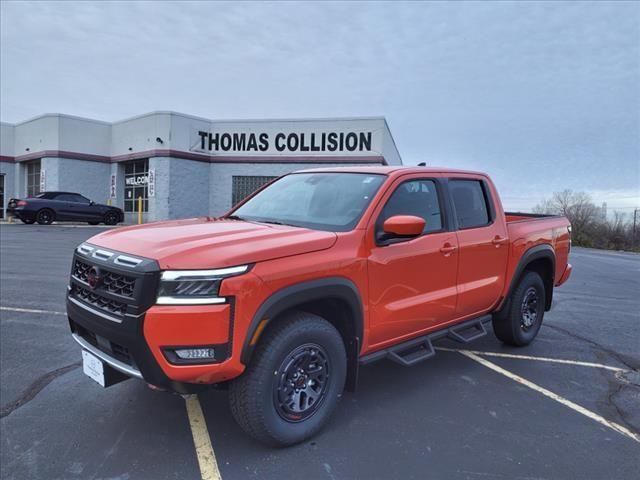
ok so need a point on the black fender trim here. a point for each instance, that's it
(534, 253)
(300, 293)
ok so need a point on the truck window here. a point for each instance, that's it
(470, 203)
(418, 198)
(323, 201)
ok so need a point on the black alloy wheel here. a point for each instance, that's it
(300, 387)
(111, 218)
(522, 318)
(45, 217)
(293, 382)
(529, 309)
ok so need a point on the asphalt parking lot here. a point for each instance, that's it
(467, 416)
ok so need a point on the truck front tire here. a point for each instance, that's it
(520, 324)
(293, 383)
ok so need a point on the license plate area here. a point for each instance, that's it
(99, 371)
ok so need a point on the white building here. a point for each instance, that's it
(179, 164)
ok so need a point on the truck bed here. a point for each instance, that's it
(527, 230)
(524, 217)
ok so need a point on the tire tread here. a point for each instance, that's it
(244, 403)
(506, 327)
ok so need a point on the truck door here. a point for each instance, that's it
(412, 283)
(483, 245)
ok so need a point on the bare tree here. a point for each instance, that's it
(590, 227)
(576, 206)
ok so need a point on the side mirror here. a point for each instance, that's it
(403, 226)
(91, 202)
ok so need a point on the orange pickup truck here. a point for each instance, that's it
(283, 298)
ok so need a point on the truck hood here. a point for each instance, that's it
(201, 243)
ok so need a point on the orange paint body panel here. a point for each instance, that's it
(206, 242)
(198, 325)
(406, 289)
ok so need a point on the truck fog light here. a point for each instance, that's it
(195, 353)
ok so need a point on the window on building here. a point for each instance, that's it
(136, 181)
(243, 186)
(33, 178)
(470, 202)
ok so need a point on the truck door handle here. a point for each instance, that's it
(448, 248)
(498, 240)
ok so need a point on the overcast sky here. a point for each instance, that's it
(543, 96)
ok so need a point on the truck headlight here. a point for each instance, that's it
(194, 287)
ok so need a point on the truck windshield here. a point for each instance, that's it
(320, 201)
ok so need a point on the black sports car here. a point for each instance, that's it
(63, 206)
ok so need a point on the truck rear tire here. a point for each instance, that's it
(293, 383)
(520, 324)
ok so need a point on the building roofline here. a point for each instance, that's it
(196, 117)
(393, 140)
(57, 115)
(247, 120)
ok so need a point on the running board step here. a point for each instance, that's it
(418, 349)
(410, 353)
(466, 333)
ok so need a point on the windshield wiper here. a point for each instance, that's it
(235, 217)
(273, 222)
(258, 220)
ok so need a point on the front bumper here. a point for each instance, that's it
(106, 358)
(118, 318)
(138, 346)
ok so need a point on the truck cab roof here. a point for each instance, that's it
(391, 170)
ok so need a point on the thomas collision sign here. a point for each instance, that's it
(281, 142)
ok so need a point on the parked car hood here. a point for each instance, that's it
(200, 243)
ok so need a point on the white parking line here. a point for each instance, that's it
(31, 310)
(539, 359)
(547, 393)
(202, 440)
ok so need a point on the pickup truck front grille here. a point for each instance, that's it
(121, 290)
(103, 303)
(116, 283)
(81, 270)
